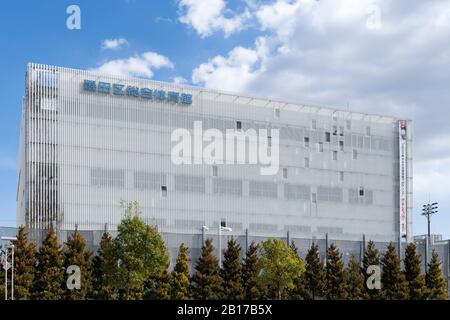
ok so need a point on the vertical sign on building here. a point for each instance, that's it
(403, 177)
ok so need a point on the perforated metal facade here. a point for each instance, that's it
(82, 152)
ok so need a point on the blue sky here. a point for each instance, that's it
(380, 56)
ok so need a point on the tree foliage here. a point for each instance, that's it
(315, 276)
(206, 283)
(139, 251)
(231, 272)
(157, 287)
(394, 285)
(103, 266)
(371, 258)
(49, 277)
(335, 284)
(24, 265)
(250, 273)
(417, 289)
(435, 279)
(179, 282)
(354, 280)
(279, 266)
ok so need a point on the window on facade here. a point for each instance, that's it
(238, 125)
(277, 112)
(341, 131)
(341, 145)
(334, 130)
(348, 124)
(306, 162)
(215, 171)
(314, 197)
(314, 124)
(320, 146)
(223, 223)
(341, 176)
(361, 191)
(327, 137)
(269, 141)
(355, 154)
(334, 155)
(306, 139)
(285, 173)
(164, 191)
(367, 131)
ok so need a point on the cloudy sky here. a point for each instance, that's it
(381, 56)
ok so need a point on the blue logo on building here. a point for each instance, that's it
(132, 91)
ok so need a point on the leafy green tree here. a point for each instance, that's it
(24, 265)
(206, 283)
(49, 278)
(394, 285)
(279, 266)
(435, 279)
(354, 280)
(103, 268)
(315, 276)
(417, 289)
(157, 287)
(179, 282)
(250, 273)
(77, 254)
(335, 284)
(139, 251)
(371, 258)
(231, 272)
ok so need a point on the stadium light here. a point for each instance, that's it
(7, 265)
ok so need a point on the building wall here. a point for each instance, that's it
(85, 151)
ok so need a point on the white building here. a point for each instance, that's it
(89, 140)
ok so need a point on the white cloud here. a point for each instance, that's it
(114, 44)
(208, 16)
(241, 66)
(179, 80)
(135, 66)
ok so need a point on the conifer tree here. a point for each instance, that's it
(354, 280)
(300, 291)
(417, 289)
(49, 278)
(206, 283)
(231, 272)
(394, 285)
(371, 258)
(250, 273)
(435, 279)
(103, 265)
(76, 254)
(315, 277)
(294, 247)
(179, 281)
(157, 287)
(335, 284)
(24, 265)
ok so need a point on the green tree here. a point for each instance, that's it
(49, 278)
(335, 284)
(157, 287)
(279, 266)
(417, 289)
(139, 251)
(206, 283)
(179, 282)
(371, 258)
(77, 254)
(435, 279)
(315, 276)
(250, 273)
(24, 265)
(394, 285)
(103, 268)
(231, 272)
(354, 280)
